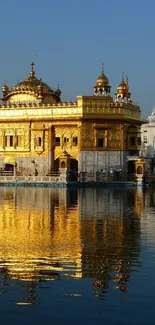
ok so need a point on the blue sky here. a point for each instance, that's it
(71, 38)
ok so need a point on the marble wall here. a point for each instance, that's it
(92, 161)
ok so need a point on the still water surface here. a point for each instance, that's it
(77, 256)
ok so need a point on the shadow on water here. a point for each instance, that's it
(49, 235)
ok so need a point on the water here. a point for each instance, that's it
(77, 256)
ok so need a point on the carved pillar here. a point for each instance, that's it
(51, 145)
(3, 139)
(15, 139)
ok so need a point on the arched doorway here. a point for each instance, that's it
(131, 166)
(139, 170)
(73, 174)
(73, 164)
(56, 165)
(63, 164)
(9, 163)
(73, 170)
(9, 167)
(131, 170)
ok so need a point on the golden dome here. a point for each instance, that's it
(102, 80)
(5, 87)
(122, 86)
(31, 89)
(140, 159)
(32, 82)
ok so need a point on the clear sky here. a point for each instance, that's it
(69, 40)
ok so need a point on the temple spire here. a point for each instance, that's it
(32, 72)
(102, 68)
(123, 77)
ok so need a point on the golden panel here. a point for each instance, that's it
(39, 126)
(22, 98)
(66, 134)
(87, 135)
(115, 138)
(1, 140)
(101, 134)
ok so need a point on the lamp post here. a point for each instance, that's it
(15, 170)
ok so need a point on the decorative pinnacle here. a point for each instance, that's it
(5, 83)
(32, 72)
(127, 84)
(123, 77)
(102, 68)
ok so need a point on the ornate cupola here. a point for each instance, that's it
(5, 89)
(122, 94)
(32, 90)
(58, 92)
(102, 87)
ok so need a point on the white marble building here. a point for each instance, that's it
(148, 136)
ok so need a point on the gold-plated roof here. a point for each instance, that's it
(123, 87)
(32, 82)
(65, 154)
(5, 87)
(31, 89)
(102, 80)
(140, 159)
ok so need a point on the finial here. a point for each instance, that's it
(32, 72)
(102, 68)
(123, 77)
(127, 89)
(58, 91)
(127, 83)
(5, 83)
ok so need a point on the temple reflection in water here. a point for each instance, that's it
(49, 233)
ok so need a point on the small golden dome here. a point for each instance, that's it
(5, 87)
(102, 80)
(65, 154)
(122, 86)
(140, 159)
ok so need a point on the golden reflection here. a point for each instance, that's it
(36, 232)
(49, 233)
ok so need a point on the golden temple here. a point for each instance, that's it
(40, 133)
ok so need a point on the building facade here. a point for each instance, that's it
(40, 133)
(148, 136)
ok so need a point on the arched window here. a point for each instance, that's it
(139, 170)
(62, 164)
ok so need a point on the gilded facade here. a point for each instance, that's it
(96, 132)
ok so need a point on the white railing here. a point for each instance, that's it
(33, 179)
